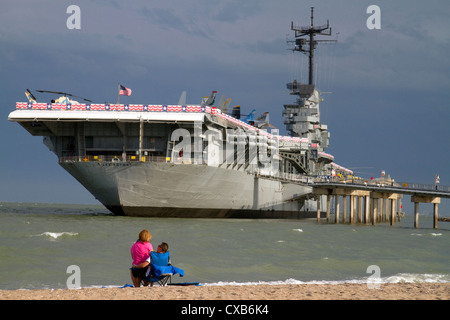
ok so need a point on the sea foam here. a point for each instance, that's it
(398, 278)
(56, 235)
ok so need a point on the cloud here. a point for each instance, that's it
(234, 11)
(170, 19)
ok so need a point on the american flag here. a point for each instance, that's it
(124, 91)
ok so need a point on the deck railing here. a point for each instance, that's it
(112, 158)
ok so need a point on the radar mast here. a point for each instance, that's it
(302, 119)
(305, 40)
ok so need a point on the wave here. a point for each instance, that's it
(56, 235)
(426, 234)
(418, 278)
(399, 278)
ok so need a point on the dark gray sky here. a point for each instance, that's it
(386, 106)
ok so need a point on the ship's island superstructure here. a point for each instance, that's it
(190, 160)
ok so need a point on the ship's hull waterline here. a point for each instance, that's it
(153, 189)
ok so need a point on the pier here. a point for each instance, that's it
(370, 203)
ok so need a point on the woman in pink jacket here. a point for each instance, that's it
(140, 251)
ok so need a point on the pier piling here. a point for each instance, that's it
(370, 206)
(336, 207)
(424, 199)
(345, 208)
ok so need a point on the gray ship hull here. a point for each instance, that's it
(155, 189)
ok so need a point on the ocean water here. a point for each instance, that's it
(38, 242)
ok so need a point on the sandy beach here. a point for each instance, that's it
(398, 291)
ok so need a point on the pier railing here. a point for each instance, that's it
(430, 187)
(383, 184)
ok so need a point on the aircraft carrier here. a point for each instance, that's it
(192, 160)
